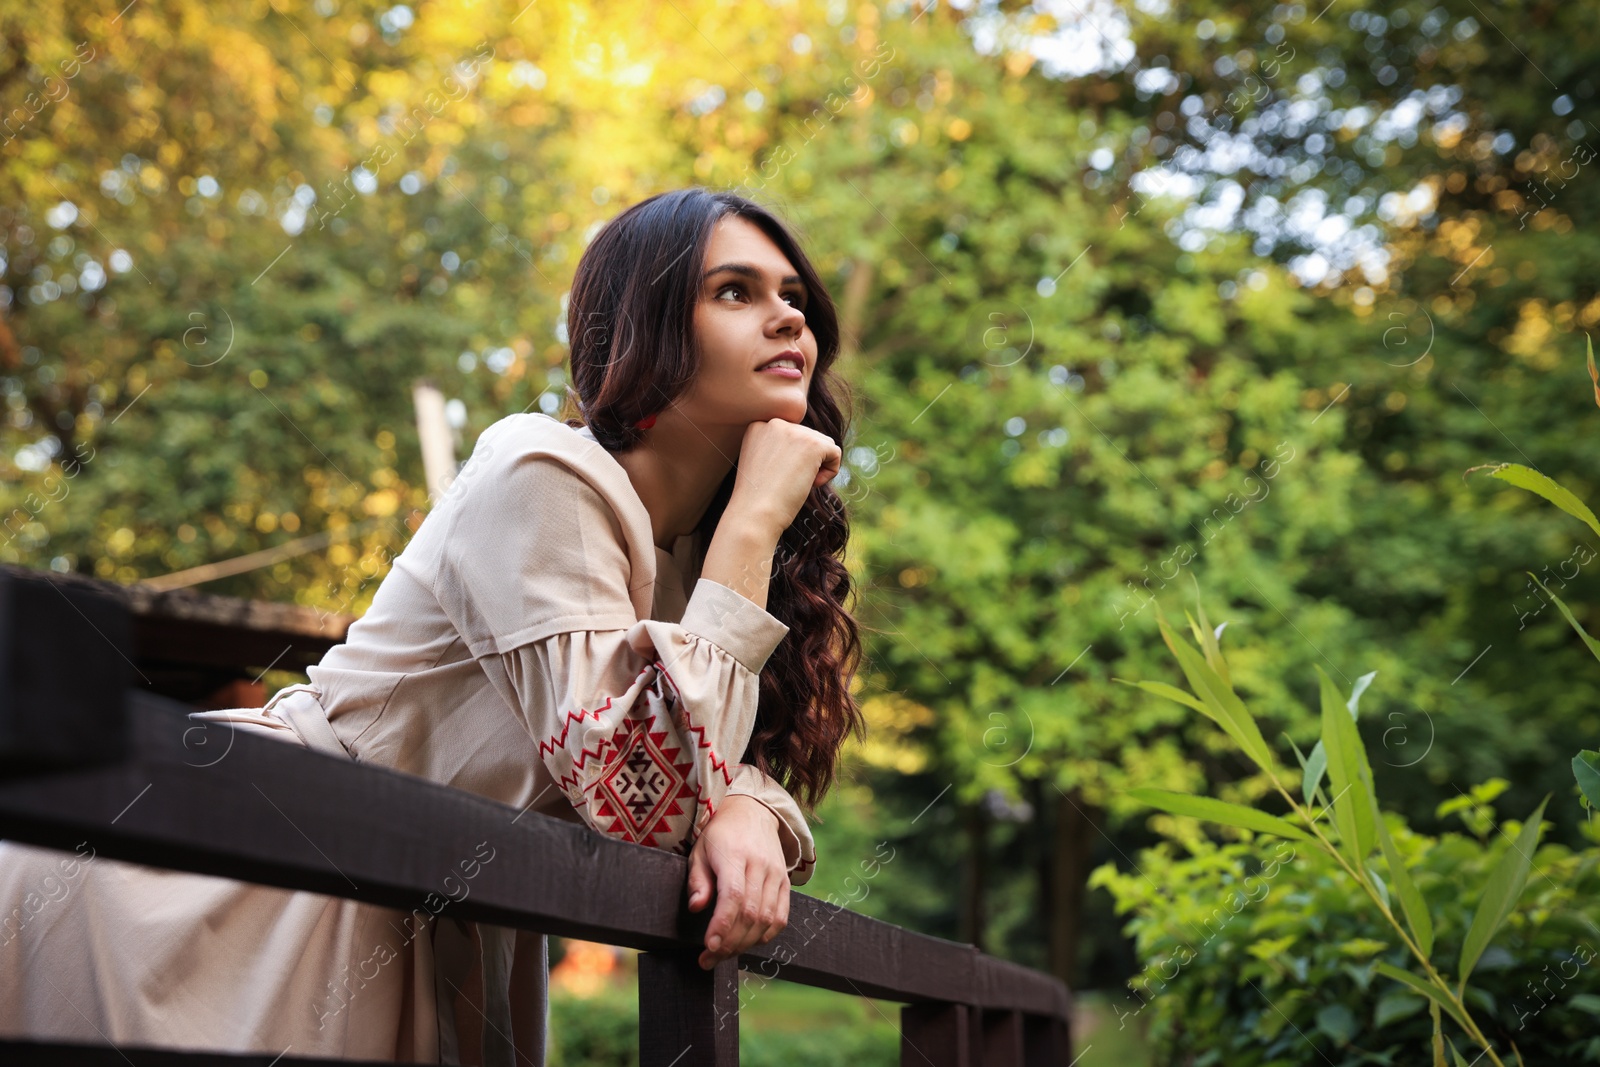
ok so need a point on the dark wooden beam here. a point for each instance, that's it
(938, 1035)
(1046, 1041)
(65, 665)
(688, 1017)
(267, 811)
(183, 627)
(1002, 1038)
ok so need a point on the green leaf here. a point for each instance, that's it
(1360, 687)
(1392, 1007)
(1171, 692)
(1349, 776)
(1461, 1061)
(1594, 646)
(1207, 638)
(1222, 706)
(1337, 1022)
(1586, 769)
(1500, 893)
(1381, 886)
(1219, 811)
(1411, 902)
(1426, 988)
(1553, 491)
(1316, 768)
(1594, 373)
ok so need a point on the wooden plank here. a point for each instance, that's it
(937, 1035)
(65, 665)
(273, 812)
(1002, 1038)
(1046, 1041)
(244, 649)
(392, 839)
(204, 608)
(834, 948)
(186, 627)
(279, 814)
(688, 1017)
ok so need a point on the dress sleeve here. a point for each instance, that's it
(642, 728)
(640, 722)
(799, 851)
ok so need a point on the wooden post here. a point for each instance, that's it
(1002, 1038)
(688, 1017)
(934, 1034)
(433, 432)
(1045, 1041)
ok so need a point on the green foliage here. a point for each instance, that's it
(1218, 811)
(1559, 495)
(599, 1031)
(1586, 769)
(1285, 970)
(1583, 768)
(1356, 830)
(1500, 895)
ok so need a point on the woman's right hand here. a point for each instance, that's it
(780, 462)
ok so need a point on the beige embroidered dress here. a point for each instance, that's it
(533, 645)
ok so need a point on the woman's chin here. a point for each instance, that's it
(789, 410)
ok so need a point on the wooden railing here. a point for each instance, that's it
(94, 745)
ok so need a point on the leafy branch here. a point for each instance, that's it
(1357, 829)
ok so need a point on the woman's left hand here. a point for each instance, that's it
(740, 853)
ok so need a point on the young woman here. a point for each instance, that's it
(636, 619)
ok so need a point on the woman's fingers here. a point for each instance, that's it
(747, 913)
(730, 891)
(722, 932)
(781, 911)
(748, 927)
(740, 861)
(700, 876)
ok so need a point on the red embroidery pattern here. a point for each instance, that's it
(685, 723)
(644, 775)
(638, 792)
(569, 783)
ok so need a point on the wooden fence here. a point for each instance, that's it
(95, 682)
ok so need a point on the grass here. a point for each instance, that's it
(1100, 1042)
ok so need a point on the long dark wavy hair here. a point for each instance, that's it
(630, 323)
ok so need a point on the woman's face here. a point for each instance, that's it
(749, 311)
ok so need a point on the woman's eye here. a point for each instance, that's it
(796, 299)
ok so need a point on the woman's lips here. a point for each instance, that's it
(783, 372)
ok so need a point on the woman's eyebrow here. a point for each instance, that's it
(747, 271)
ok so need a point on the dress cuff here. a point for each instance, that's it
(733, 622)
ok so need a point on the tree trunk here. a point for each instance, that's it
(1043, 860)
(853, 306)
(972, 905)
(1075, 828)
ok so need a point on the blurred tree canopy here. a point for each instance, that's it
(1137, 297)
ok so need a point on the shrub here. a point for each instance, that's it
(1246, 964)
(1355, 864)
